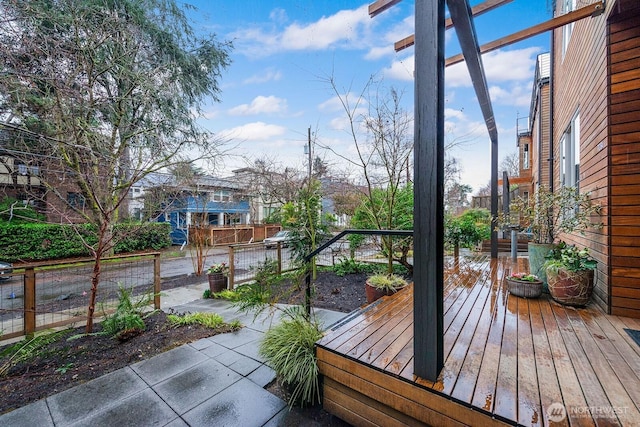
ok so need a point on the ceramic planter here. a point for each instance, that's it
(524, 288)
(570, 287)
(374, 293)
(537, 253)
(217, 282)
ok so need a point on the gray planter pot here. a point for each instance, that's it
(537, 254)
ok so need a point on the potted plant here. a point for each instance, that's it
(524, 285)
(380, 285)
(545, 216)
(217, 275)
(570, 273)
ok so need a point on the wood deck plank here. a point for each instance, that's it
(589, 383)
(507, 384)
(529, 408)
(485, 393)
(399, 342)
(376, 343)
(600, 357)
(545, 369)
(572, 395)
(468, 375)
(456, 351)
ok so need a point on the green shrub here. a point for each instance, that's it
(289, 350)
(351, 266)
(36, 241)
(23, 351)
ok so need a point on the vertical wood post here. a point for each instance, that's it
(279, 249)
(157, 287)
(428, 215)
(232, 261)
(29, 301)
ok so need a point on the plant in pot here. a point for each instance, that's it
(524, 285)
(217, 275)
(570, 273)
(380, 285)
(545, 216)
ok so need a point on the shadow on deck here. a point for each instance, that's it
(508, 360)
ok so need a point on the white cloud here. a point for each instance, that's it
(260, 105)
(346, 28)
(499, 66)
(268, 75)
(256, 131)
(516, 95)
(401, 69)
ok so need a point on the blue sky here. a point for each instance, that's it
(284, 51)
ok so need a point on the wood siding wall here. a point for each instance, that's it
(624, 162)
(580, 86)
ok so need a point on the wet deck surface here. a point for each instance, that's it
(525, 361)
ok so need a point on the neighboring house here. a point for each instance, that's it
(201, 200)
(585, 132)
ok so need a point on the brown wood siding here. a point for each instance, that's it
(581, 86)
(624, 162)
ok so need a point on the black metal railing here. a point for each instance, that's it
(334, 239)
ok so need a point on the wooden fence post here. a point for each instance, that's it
(29, 301)
(231, 266)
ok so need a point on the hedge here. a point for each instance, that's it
(38, 242)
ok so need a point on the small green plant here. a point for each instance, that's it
(387, 282)
(207, 294)
(127, 321)
(210, 320)
(25, 350)
(221, 268)
(570, 258)
(63, 369)
(289, 350)
(523, 277)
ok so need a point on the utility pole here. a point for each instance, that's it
(308, 150)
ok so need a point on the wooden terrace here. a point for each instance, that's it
(508, 360)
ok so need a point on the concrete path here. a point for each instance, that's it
(216, 381)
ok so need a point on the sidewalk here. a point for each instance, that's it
(214, 381)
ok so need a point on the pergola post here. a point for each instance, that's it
(428, 227)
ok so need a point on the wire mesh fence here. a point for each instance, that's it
(48, 295)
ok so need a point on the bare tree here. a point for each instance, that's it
(101, 94)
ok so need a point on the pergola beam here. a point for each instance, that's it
(593, 9)
(476, 11)
(380, 6)
(461, 15)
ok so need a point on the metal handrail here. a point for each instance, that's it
(308, 257)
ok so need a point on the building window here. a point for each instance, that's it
(221, 196)
(570, 154)
(76, 200)
(567, 6)
(525, 157)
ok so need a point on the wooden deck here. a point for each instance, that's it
(508, 360)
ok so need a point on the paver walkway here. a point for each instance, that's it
(214, 381)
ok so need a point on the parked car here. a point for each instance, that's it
(5, 270)
(283, 237)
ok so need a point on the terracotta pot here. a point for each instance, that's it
(524, 288)
(374, 293)
(217, 282)
(570, 287)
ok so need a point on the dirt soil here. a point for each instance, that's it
(64, 364)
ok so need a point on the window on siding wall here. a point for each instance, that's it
(567, 6)
(222, 196)
(525, 157)
(570, 154)
(76, 200)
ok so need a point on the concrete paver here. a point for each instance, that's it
(217, 381)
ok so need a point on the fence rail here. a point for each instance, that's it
(50, 294)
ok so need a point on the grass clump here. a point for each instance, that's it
(289, 350)
(210, 320)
